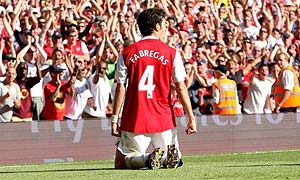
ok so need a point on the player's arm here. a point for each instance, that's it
(185, 100)
(179, 76)
(120, 76)
(118, 101)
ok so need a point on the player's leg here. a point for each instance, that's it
(120, 160)
(154, 160)
(168, 140)
(131, 151)
(174, 156)
(162, 140)
(175, 141)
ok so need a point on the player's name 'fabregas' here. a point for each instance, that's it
(149, 53)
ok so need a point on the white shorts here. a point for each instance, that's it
(132, 144)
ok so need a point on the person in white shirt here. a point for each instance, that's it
(250, 30)
(82, 98)
(258, 95)
(10, 95)
(262, 38)
(275, 38)
(100, 88)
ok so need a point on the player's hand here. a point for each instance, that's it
(115, 130)
(191, 127)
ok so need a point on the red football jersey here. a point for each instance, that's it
(147, 107)
(75, 49)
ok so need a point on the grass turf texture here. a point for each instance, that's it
(268, 165)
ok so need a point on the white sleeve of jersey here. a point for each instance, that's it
(179, 73)
(121, 70)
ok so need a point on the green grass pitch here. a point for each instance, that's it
(279, 165)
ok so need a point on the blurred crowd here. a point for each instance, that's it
(58, 57)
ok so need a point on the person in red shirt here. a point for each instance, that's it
(56, 41)
(75, 46)
(149, 65)
(54, 93)
(24, 112)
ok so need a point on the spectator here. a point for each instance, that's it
(75, 46)
(6, 59)
(262, 38)
(63, 61)
(247, 46)
(238, 75)
(275, 38)
(193, 85)
(237, 16)
(225, 99)
(4, 107)
(259, 91)
(108, 53)
(100, 89)
(55, 92)
(203, 73)
(190, 16)
(10, 95)
(83, 95)
(24, 112)
(250, 30)
(201, 79)
(287, 40)
(54, 42)
(84, 29)
(274, 70)
(34, 56)
(286, 88)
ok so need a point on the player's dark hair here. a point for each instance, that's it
(148, 19)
